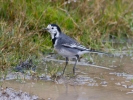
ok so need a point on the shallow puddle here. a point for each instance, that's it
(90, 83)
(53, 91)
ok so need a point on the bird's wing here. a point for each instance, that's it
(76, 46)
(68, 42)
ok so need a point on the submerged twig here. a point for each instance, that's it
(79, 63)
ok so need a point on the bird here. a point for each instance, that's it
(66, 46)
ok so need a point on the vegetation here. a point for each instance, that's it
(88, 21)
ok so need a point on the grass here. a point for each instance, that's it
(89, 22)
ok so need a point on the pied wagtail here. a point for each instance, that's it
(66, 46)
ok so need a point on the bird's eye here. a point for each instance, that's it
(52, 28)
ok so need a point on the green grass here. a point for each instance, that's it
(89, 22)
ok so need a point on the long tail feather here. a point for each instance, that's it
(99, 52)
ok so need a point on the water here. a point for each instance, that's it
(53, 91)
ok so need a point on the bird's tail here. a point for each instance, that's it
(99, 52)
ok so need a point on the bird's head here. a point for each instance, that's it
(54, 30)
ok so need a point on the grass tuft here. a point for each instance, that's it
(88, 21)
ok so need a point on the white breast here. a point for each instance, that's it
(65, 53)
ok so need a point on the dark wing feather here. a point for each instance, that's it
(76, 46)
(71, 43)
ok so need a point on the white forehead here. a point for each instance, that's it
(50, 26)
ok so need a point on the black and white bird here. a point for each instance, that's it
(66, 46)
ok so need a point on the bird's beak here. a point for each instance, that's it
(46, 29)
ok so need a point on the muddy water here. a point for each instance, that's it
(90, 83)
(53, 91)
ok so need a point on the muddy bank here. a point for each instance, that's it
(11, 94)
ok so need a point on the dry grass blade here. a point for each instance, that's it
(70, 17)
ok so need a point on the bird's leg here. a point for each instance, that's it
(65, 65)
(76, 60)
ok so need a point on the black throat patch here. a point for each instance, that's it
(54, 39)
